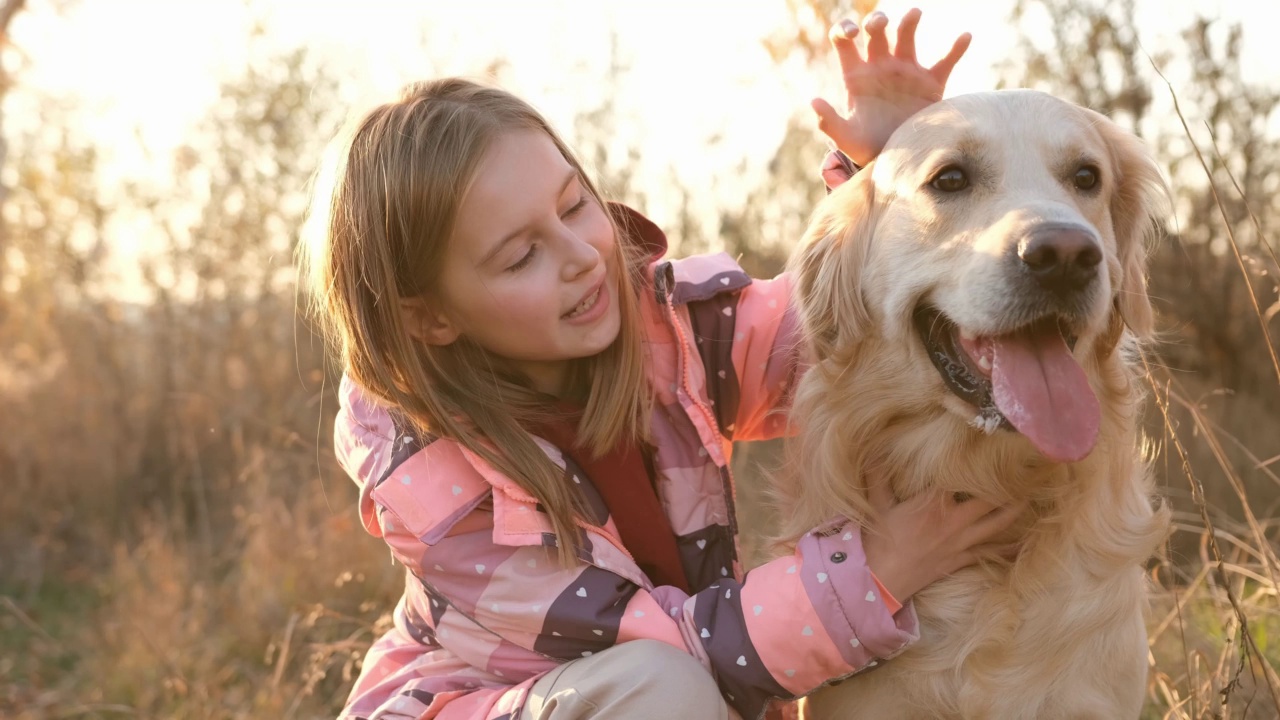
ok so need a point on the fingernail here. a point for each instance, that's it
(848, 27)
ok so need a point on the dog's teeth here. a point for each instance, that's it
(984, 362)
(987, 421)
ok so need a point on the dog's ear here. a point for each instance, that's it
(827, 268)
(1140, 198)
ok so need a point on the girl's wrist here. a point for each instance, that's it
(886, 596)
(892, 582)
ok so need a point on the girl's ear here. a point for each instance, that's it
(423, 321)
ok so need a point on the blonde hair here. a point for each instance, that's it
(384, 208)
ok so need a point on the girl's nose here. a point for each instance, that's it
(581, 256)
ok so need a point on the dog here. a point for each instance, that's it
(973, 305)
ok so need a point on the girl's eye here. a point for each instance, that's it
(524, 261)
(578, 206)
(951, 179)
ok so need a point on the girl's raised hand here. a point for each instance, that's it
(884, 88)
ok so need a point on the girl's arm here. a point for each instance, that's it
(750, 349)
(792, 625)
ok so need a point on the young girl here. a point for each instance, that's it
(539, 411)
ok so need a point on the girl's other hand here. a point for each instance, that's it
(884, 88)
(925, 538)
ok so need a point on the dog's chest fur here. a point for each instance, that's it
(1021, 640)
(1057, 634)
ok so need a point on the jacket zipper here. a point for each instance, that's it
(674, 322)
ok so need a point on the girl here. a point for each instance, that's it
(539, 411)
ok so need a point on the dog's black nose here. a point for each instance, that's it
(1061, 258)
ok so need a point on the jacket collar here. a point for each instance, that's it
(640, 229)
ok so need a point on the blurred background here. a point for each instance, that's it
(176, 540)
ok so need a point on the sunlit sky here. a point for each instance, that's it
(696, 69)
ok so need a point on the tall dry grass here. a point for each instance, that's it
(1234, 588)
(177, 539)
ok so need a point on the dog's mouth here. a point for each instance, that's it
(1025, 380)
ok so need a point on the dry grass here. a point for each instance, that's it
(179, 551)
(1230, 673)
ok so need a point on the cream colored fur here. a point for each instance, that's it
(1058, 633)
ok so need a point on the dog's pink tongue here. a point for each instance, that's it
(1043, 392)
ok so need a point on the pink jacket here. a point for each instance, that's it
(487, 609)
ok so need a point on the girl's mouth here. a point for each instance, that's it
(585, 305)
(591, 307)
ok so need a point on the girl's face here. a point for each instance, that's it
(529, 272)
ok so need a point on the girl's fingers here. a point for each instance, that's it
(964, 512)
(992, 524)
(941, 70)
(877, 42)
(832, 124)
(1003, 517)
(841, 37)
(959, 561)
(827, 115)
(905, 48)
(1006, 551)
(973, 509)
(971, 556)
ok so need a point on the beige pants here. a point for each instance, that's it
(640, 680)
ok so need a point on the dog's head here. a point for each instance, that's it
(999, 238)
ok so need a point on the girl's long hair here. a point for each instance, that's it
(383, 210)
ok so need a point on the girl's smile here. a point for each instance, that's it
(592, 308)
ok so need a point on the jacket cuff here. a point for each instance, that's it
(846, 595)
(890, 601)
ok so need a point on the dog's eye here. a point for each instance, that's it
(1086, 178)
(950, 179)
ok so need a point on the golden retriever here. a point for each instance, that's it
(973, 303)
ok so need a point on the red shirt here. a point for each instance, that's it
(624, 478)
